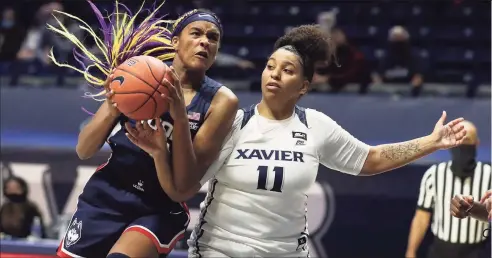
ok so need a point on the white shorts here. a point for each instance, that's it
(208, 246)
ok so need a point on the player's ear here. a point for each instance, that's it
(175, 42)
(304, 87)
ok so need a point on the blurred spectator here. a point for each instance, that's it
(349, 67)
(19, 217)
(327, 20)
(62, 47)
(31, 47)
(224, 59)
(400, 64)
(11, 35)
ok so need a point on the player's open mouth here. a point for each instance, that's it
(202, 55)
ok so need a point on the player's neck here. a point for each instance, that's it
(274, 111)
(189, 79)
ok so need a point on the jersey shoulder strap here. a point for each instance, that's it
(248, 113)
(301, 113)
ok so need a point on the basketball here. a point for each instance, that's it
(137, 87)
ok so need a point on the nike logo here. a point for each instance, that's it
(120, 78)
(204, 15)
(176, 213)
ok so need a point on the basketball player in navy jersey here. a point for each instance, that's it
(128, 208)
(256, 204)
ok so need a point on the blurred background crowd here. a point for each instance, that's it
(417, 47)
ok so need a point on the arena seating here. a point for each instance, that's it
(453, 38)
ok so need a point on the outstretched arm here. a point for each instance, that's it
(387, 157)
(343, 152)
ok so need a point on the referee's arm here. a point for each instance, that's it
(421, 220)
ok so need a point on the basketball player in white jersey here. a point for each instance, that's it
(256, 204)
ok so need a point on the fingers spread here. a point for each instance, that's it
(139, 126)
(158, 124)
(456, 121)
(132, 138)
(145, 125)
(174, 74)
(130, 129)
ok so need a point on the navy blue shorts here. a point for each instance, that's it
(98, 222)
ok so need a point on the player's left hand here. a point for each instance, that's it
(151, 141)
(177, 107)
(448, 135)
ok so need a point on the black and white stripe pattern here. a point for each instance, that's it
(438, 187)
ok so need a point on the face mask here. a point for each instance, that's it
(7, 24)
(16, 197)
(463, 160)
(400, 47)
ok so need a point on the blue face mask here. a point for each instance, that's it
(7, 24)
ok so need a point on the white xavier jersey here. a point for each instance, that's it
(256, 202)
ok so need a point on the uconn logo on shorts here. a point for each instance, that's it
(74, 233)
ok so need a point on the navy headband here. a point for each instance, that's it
(197, 16)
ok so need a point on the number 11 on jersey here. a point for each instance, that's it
(278, 178)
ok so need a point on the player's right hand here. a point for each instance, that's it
(154, 142)
(113, 107)
(461, 205)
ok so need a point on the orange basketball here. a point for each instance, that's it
(137, 86)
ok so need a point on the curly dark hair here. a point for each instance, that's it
(311, 43)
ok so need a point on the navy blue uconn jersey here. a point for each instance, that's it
(131, 168)
(125, 194)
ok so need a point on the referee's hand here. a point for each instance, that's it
(461, 205)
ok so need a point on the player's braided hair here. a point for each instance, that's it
(118, 38)
(312, 45)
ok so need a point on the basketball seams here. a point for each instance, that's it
(142, 100)
(153, 75)
(139, 92)
(145, 93)
(148, 84)
(150, 96)
(158, 82)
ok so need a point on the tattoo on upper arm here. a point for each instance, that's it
(400, 151)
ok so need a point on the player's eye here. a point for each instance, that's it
(270, 67)
(288, 71)
(213, 37)
(195, 33)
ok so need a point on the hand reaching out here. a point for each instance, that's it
(449, 135)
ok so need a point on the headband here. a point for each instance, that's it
(308, 70)
(196, 16)
(292, 49)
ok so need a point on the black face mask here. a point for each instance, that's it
(18, 198)
(463, 160)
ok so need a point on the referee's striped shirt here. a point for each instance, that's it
(438, 187)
